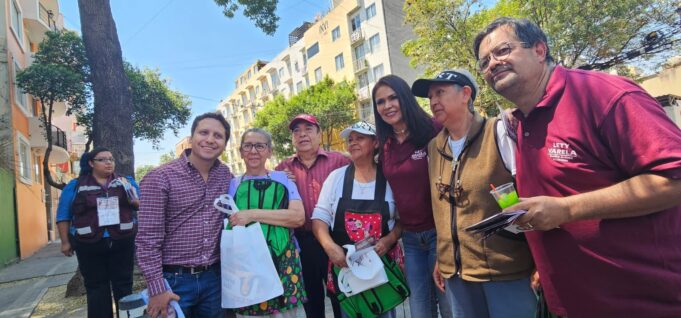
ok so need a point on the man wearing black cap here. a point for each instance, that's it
(311, 165)
(489, 278)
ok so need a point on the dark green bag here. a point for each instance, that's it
(265, 194)
(378, 300)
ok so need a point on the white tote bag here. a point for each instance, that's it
(248, 273)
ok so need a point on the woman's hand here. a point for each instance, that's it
(240, 218)
(337, 255)
(438, 279)
(384, 245)
(66, 248)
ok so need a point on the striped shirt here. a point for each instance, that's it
(310, 180)
(178, 224)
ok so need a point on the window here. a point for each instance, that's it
(236, 84)
(365, 112)
(307, 80)
(371, 11)
(296, 67)
(19, 95)
(17, 21)
(281, 72)
(36, 169)
(340, 63)
(359, 52)
(335, 34)
(275, 79)
(299, 87)
(257, 90)
(24, 154)
(249, 74)
(312, 50)
(363, 80)
(318, 75)
(378, 72)
(374, 43)
(355, 23)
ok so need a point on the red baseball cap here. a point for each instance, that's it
(303, 117)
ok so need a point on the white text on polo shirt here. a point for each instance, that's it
(419, 154)
(560, 151)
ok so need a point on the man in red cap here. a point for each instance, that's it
(311, 165)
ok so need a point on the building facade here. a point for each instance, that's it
(27, 225)
(357, 40)
(666, 87)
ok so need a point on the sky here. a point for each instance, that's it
(195, 46)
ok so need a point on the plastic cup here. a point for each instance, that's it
(505, 195)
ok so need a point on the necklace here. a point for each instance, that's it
(400, 132)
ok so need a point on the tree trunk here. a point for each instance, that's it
(112, 122)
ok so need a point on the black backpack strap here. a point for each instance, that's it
(381, 185)
(348, 181)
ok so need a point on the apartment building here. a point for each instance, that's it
(26, 225)
(357, 40)
(666, 87)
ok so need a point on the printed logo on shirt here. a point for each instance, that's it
(419, 154)
(560, 151)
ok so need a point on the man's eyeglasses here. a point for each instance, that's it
(499, 53)
(104, 160)
(258, 147)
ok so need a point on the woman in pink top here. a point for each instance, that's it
(404, 130)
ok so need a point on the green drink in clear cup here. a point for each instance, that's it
(505, 195)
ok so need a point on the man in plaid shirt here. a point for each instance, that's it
(179, 229)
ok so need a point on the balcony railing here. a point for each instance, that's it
(47, 17)
(360, 65)
(58, 137)
(356, 36)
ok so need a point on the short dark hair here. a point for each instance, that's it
(212, 115)
(524, 30)
(87, 157)
(419, 123)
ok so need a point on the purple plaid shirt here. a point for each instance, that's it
(178, 224)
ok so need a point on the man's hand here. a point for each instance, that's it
(240, 218)
(290, 175)
(383, 245)
(66, 248)
(337, 255)
(158, 304)
(534, 280)
(438, 279)
(543, 213)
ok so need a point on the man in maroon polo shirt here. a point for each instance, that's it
(599, 166)
(311, 165)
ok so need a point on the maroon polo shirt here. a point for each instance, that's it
(406, 168)
(310, 180)
(592, 130)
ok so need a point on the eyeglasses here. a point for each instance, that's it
(499, 53)
(258, 147)
(104, 160)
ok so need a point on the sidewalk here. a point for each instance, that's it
(22, 285)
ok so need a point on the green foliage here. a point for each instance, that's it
(59, 73)
(142, 171)
(166, 157)
(156, 108)
(579, 31)
(262, 12)
(332, 103)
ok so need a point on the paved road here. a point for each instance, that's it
(23, 284)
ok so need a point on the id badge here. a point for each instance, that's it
(107, 211)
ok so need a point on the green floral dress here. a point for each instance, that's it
(265, 193)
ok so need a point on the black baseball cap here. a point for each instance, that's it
(460, 77)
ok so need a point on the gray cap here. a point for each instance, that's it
(459, 76)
